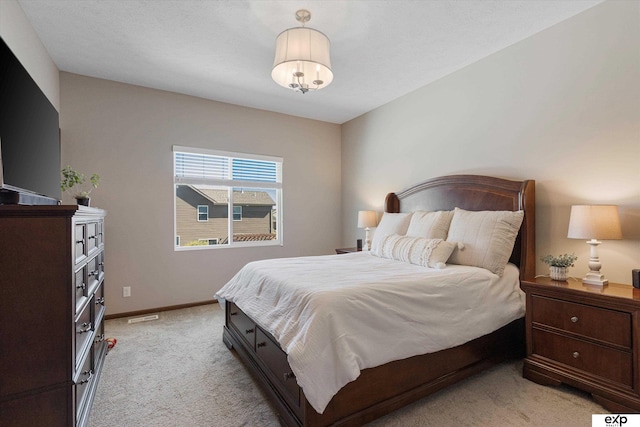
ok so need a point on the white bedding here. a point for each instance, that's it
(336, 315)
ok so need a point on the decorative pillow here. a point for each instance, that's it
(432, 253)
(390, 223)
(488, 237)
(431, 225)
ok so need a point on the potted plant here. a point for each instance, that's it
(75, 183)
(559, 265)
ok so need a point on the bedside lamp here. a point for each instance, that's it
(594, 222)
(367, 219)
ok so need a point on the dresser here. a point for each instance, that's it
(585, 336)
(52, 345)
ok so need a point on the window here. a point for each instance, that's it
(231, 197)
(208, 241)
(203, 213)
(237, 213)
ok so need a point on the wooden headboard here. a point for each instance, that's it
(477, 193)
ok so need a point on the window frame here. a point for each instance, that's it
(198, 213)
(274, 187)
(234, 213)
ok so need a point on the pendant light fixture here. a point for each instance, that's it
(302, 61)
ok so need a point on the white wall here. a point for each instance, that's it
(125, 134)
(19, 35)
(562, 107)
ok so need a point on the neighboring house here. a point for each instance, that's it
(202, 216)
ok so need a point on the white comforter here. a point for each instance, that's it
(339, 314)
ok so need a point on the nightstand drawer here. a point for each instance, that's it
(605, 362)
(608, 326)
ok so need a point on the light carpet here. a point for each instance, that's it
(176, 371)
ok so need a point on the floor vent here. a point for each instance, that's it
(144, 319)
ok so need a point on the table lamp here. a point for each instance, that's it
(367, 219)
(594, 222)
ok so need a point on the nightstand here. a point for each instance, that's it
(587, 337)
(346, 250)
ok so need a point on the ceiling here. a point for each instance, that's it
(223, 49)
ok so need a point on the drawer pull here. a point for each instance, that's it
(91, 237)
(81, 286)
(99, 339)
(249, 331)
(288, 376)
(574, 319)
(100, 301)
(233, 313)
(90, 374)
(94, 273)
(576, 354)
(262, 344)
(78, 242)
(85, 327)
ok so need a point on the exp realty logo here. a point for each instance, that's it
(615, 420)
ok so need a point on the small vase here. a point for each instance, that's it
(558, 273)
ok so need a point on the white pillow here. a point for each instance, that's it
(390, 223)
(431, 225)
(432, 253)
(487, 236)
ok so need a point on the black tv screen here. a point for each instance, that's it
(29, 132)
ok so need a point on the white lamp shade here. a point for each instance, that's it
(302, 50)
(367, 219)
(594, 222)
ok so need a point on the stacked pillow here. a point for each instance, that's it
(477, 238)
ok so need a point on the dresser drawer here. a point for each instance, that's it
(83, 385)
(100, 234)
(98, 305)
(241, 322)
(83, 335)
(92, 237)
(93, 272)
(80, 286)
(99, 346)
(605, 362)
(608, 326)
(275, 359)
(80, 242)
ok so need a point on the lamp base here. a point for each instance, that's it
(595, 278)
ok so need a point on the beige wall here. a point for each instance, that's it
(562, 107)
(19, 35)
(125, 134)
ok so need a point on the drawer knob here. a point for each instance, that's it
(78, 242)
(85, 327)
(81, 286)
(574, 319)
(89, 373)
(100, 301)
(99, 339)
(576, 354)
(249, 331)
(233, 313)
(288, 375)
(262, 344)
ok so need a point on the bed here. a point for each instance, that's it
(378, 389)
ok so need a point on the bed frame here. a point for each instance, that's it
(383, 389)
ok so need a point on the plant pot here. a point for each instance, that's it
(84, 201)
(559, 273)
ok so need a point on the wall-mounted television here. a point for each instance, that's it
(29, 137)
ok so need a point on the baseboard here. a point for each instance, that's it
(155, 310)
